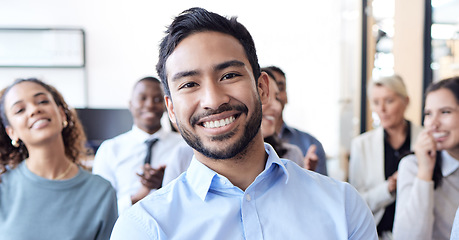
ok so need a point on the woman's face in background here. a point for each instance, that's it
(271, 110)
(441, 118)
(389, 106)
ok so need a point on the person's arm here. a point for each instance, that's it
(415, 203)
(134, 225)
(322, 159)
(376, 196)
(360, 222)
(110, 214)
(102, 166)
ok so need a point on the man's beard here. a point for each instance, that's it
(251, 129)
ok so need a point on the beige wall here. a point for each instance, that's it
(408, 51)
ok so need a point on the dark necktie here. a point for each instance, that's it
(150, 143)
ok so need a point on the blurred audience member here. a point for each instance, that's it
(44, 192)
(428, 181)
(375, 154)
(315, 158)
(134, 161)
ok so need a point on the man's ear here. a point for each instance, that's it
(170, 108)
(263, 87)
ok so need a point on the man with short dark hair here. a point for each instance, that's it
(236, 186)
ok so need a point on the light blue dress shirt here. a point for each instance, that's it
(284, 202)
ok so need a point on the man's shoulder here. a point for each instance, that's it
(313, 181)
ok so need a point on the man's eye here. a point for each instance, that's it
(188, 85)
(43, 102)
(230, 75)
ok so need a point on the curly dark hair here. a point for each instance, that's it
(73, 134)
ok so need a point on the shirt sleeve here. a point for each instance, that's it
(103, 166)
(110, 215)
(376, 196)
(360, 221)
(414, 216)
(134, 225)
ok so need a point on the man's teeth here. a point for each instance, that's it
(219, 123)
(269, 117)
(438, 134)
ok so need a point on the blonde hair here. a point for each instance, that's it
(393, 82)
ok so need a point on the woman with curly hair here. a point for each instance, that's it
(44, 192)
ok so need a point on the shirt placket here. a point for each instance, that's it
(250, 219)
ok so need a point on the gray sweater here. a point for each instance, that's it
(32, 207)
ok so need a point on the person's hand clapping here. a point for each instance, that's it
(311, 158)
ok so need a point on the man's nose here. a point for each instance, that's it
(213, 95)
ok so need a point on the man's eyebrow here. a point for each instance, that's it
(183, 74)
(218, 67)
(232, 63)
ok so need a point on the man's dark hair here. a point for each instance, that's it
(269, 72)
(196, 20)
(276, 69)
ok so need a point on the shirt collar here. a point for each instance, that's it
(202, 179)
(449, 164)
(143, 136)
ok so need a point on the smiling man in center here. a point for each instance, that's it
(236, 186)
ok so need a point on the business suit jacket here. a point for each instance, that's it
(366, 169)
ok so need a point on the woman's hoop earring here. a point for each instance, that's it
(15, 143)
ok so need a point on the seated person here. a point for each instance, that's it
(236, 186)
(134, 162)
(428, 181)
(44, 191)
(375, 154)
(315, 158)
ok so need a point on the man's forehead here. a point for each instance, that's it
(205, 50)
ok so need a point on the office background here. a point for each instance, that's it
(317, 43)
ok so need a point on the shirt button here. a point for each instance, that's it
(247, 197)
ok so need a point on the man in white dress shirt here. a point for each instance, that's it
(121, 160)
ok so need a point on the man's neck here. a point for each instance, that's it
(242, 169)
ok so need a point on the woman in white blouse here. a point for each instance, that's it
(428, 182)
(375, 154)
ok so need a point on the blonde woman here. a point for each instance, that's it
(375, 155)
(44, 192)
